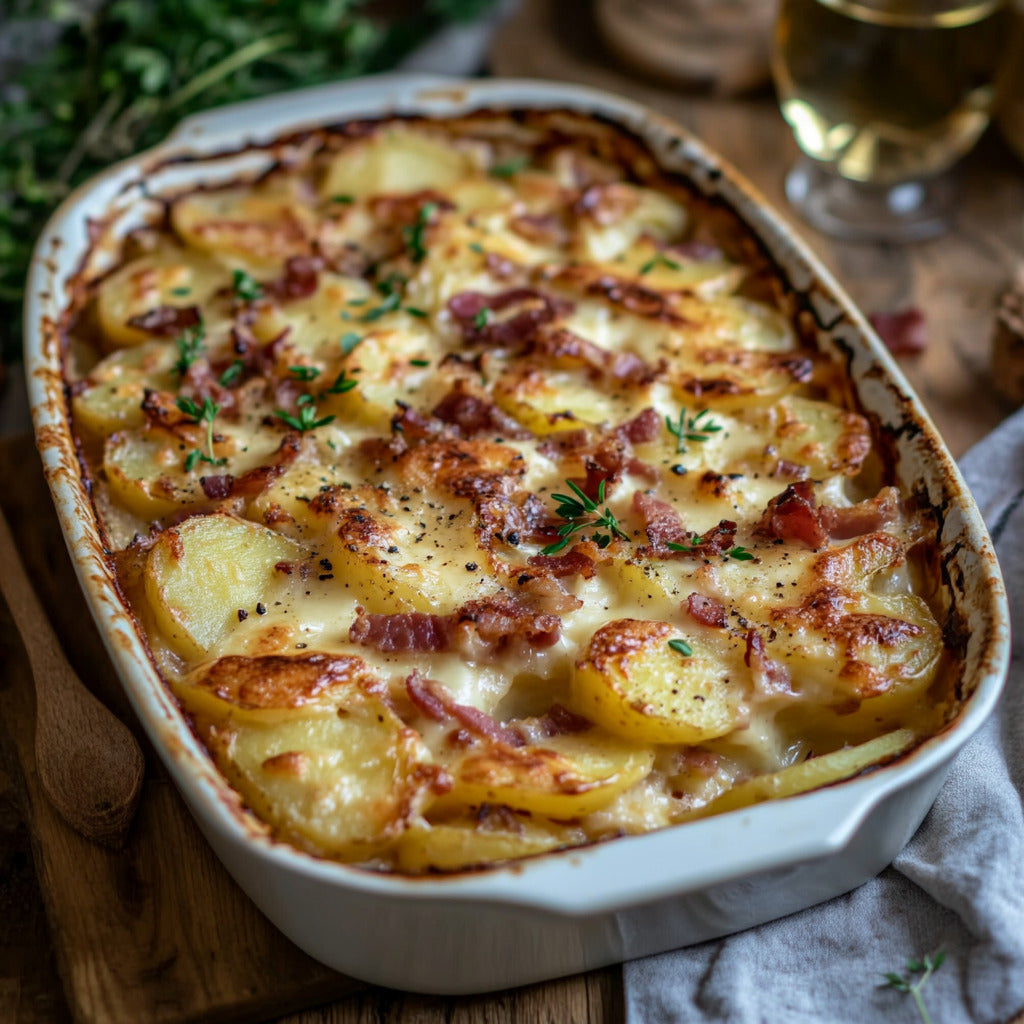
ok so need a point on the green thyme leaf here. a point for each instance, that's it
(582, 513)
(245, 287)
(190, 347)
(510, 167)
(231, 374)
(659, 261)
(681, 647)
(304, 372)
(414, 236)
(349, 342)
(698, 428)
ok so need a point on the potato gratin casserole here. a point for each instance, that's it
(481, 491)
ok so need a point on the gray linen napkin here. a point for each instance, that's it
(958, 885)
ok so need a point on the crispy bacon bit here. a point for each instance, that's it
(435, 701)
(716, 540)
(606, 204)
(580, 560)
(472, 415)
(790, 470)
(299, 280)
(904, 332)
(770, 676)
(414, 426)
(793, 516)
(499, 267)
(492, 624)
(661, 522)
(166, 321)
(565, 347)
(217, 488)
(160, 410)
(701, 252)
(544, 228)
(534, 310)
(707, 611)
(559, 720)
(864, 517)
(401, 631)
(641, 429)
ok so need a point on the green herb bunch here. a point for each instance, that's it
(122, 73)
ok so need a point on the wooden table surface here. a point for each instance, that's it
(954, 280)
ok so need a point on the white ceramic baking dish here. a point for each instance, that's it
(576, 910)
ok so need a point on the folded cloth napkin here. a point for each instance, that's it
(958, 885)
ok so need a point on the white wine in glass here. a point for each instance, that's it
(884, 96)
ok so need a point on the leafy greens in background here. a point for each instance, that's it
(122, 73)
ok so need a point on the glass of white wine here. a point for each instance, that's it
(884, 97)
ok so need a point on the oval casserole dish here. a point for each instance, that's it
(575, 910)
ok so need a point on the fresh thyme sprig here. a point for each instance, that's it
(413, 235)
(923, 969)
(659, 260)
(245, 287)
(306, 418)
(305, 373)
(204, 414)
(190, 347)
(342, 383)
(737, 553)
(231, 374)
(582, 513)
(697, 428)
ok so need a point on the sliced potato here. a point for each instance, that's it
(166, 277)
(396, 160)
(568, 777)
(549, 401)
(200, 573)
(811, 774)
(451, 847)
(145, 472)
(637, 686)
(344, 780)
(624, 214)
(112, 396)
(251, 228)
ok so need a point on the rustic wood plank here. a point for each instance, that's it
(155, 932)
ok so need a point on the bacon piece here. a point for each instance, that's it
(716, 540)
(217, 488)
(770, 676)
(499, 267)
(492, 623)
(258, 479)
(706, 610)
(793, 516)
(606, 203)
(435, 701)
(790, 470)
(701, 252)
(534, 310)
(401, 631)
(641, 429)
(161, 410)
(414, 426)
(166, 321)
(300, 279)
(580, 560)
(546, 595)
(864, 517)
(545, 228)
(661, 522)
(904, 332)
(565, 346)
(472, 415)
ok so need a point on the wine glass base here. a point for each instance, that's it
(859, 212)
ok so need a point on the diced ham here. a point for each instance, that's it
(580, 560)
(641, 429)
(706, 610)
(793, 516)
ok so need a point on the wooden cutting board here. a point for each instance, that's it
(156, 933)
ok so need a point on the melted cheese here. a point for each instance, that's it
(352, 476)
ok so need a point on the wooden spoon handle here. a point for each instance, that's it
(89, 763)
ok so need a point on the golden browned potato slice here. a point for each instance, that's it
(568, 777)
(112, 396)
(145, 473)
(341, 775)
(396, 160)
(636, 685)
(170, 277)
(451, 847)
(200, 573)
(811, 774)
